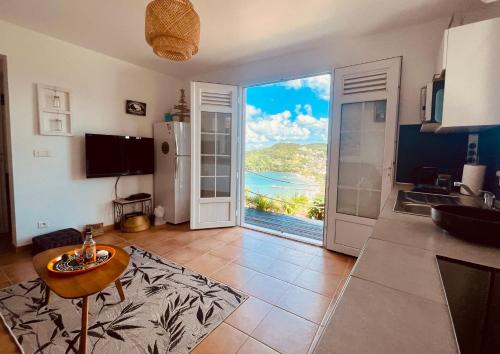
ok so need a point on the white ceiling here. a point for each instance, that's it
(232, 31)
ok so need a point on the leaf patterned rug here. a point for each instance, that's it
(168, 309)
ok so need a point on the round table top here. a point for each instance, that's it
(83, 284)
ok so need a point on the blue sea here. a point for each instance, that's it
(286, 184)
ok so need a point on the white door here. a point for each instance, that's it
(214, 121)
(362, 153)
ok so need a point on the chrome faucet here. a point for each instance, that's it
(488, 198)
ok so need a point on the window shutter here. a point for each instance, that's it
(216, 99)
(370, 82)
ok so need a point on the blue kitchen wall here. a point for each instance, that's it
(489, 155)
(447, 152)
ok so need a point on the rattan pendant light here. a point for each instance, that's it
(173, 29)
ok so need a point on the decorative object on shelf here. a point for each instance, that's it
(173, 29)
(136, 108)
(54, 110)
(168, 117)
(72, 262)
(183, 113)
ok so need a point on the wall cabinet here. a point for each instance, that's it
(471, 96)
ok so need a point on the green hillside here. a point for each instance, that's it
(307, 160)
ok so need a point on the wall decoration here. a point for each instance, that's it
(183, 113)
(168, 117)
(54, 110)
(136, 108)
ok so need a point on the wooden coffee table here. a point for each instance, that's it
(81, 285)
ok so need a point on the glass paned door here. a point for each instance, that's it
(215, 177)
(361, 158)
(214, 123)
(363, 140)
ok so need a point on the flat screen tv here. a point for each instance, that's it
(114, 155)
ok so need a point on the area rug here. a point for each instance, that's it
(168, 309)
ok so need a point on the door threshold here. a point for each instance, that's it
(284, 235)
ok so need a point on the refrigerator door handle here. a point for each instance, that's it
(176, 146)
(176, 168)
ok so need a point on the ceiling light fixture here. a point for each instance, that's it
(173, 29)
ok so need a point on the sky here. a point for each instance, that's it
(294, 111)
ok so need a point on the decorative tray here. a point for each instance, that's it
(71, 262)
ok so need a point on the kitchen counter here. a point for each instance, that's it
(393, 301)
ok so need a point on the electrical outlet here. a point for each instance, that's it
(41, 153)
(42, 224)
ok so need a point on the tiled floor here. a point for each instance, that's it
(291, 284)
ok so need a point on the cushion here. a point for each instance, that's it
(55, 239)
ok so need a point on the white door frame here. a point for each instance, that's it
(8, 149)
(196, 200)
(241, 154)
(393, 67)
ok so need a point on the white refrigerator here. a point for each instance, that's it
(172, 179)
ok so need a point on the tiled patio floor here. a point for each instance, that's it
(312, 229)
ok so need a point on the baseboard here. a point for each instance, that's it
(23, 248)
(108, 228)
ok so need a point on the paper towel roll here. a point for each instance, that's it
(473, 176)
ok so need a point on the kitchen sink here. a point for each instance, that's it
(473, 224)
(417, 203)
(414, 208)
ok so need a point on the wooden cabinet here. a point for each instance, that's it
(472, 80)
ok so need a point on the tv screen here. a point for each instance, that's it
(113, 155)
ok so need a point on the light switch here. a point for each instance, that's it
(41, 153)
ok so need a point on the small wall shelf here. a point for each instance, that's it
(54, 110)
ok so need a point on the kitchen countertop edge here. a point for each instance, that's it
(398, 262)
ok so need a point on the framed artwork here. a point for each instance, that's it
(54, 110)
(136, 108)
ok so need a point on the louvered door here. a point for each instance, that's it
(214, 112)
(362, 152)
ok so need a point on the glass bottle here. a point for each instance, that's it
(89, 248)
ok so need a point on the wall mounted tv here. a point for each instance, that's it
(114, 155)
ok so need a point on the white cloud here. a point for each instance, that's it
(319, 84)
(264, 130)
(252, 111)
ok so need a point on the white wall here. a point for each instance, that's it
(55, 189)
(417, 44)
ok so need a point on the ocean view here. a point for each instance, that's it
(286, 134)
(286, 184)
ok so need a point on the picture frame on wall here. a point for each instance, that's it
(135, 108)
(54, 110)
